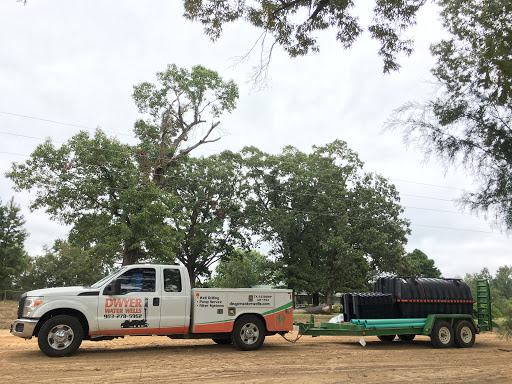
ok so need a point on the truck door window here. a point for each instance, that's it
(172, 280)
(138, 280)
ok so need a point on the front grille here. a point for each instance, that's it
(21, 305)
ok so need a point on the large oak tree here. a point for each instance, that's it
(119, 199)
(330, 225)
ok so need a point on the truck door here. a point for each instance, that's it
(175, 308)
(136, 311)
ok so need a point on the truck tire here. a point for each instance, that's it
(407, 338)
(442, 335)
(60, 336)
(386, 338)
(226, 340)
(248, 333)
(464, 334)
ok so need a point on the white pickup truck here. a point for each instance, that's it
(151, 300)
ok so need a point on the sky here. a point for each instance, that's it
(76, 63)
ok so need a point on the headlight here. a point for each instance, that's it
(31, 303)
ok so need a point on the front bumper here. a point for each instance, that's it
(24, 328)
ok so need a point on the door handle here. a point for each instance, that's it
(156, 301)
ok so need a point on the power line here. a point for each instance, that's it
(455, 229)
(430, 185)
(28, 137)
(63, 123)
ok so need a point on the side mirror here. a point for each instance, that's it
(114, 288)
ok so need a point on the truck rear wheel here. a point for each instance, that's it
(464, 334)
(60, 336)
(248, 333)
(386, 338)
(442, 334)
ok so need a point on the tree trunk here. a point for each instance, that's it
(329, 299)
(316, 299)
(130, 256)
(191, 275)
(313, 310)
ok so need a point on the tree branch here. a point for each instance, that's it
(200, 142)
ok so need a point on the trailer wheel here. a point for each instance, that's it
(223, 341)
(464, 334)
(248, 333)
(407, 338)
(442, 334)
(60, 336)
(386, 338)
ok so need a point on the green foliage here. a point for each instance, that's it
(93, 184)
(176, 112)
(294, 25)
(416, 263)
(505, 329)
(13, 258)
(498, 286)
(208, 192)
(503, 281)
(63, 265)
(330, 225)
(469, 120)
(243, 269)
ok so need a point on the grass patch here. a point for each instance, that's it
(8, 313)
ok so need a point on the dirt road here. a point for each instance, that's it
(310, 360)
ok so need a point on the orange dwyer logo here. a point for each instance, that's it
(123, 306)
(123, 303)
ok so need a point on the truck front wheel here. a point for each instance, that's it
(60, 336)
(248, 333)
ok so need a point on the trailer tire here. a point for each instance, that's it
(442, 335)
(60, 336)
(407, 338)
(223, 341)
(386, 338)
(248, 333)
(464, 334)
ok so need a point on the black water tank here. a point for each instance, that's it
(420, 297)
(368, 306)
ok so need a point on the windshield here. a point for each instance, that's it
(102, 281)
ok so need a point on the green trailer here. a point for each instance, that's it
(445, 330)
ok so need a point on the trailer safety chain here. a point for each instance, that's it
(292, 341)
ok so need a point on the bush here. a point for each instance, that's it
(505, 330)
(496, 312)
